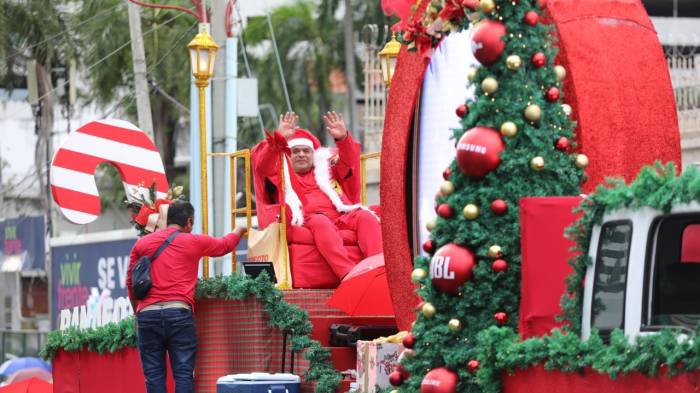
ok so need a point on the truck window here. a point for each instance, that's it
(676, 273)
(610, 276)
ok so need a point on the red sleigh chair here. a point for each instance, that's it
(308, 268)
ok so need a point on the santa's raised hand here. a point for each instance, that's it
(288, 124)
(335, 125)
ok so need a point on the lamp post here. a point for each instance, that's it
(202, 52)
(387, 59)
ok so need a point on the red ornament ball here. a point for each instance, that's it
(447, 173)
(439, 380)
(429, 246)
(401, 369)
(487, 45)
(450, 267)
(470, 4)
(408, 341)
(542, 3)
(472, 365)
(499, 265)
(539, 59)
(531, 18)
(499, 206)
(552, 94)
(501, 318)
(445, 210)
(395, 378)
(563, 144)
(462, 110)
(479, 151)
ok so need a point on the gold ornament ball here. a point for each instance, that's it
(471, 74)
(560, 72)
(447, 188)
(537, 163)
(487, 5)
(533, 112)
(428, 310)
(567, 109)
(513, 62)
(430, 225)
(409, 353)
(471, 211)
(455, 325)
(394, 391)
(495, 251)
(509, 129)
(581, 161)
(489, 85)
(418, 275)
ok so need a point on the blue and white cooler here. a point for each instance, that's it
(259, 383)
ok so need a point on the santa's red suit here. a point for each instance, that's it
(313, 201)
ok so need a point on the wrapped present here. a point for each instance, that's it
(375, 361)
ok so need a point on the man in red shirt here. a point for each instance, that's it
(312, 198)
(165, 319)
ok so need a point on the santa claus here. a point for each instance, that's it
(322, 189)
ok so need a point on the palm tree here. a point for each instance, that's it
(311, 45)
(35, 31)
(166, 34)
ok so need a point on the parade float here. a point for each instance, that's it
(560, 88)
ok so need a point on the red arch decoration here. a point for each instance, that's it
(617, 84)
(116, 142)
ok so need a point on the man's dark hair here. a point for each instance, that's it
(179, 212)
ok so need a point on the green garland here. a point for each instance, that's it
(566, 352)
(656, 186)
(104, 339)
(282, 315)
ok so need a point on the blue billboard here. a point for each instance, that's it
(88, 283)
(24, 238)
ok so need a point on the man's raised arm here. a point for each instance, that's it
(347, 169)
(266, 154)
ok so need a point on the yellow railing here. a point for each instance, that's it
(363, 174)
(248, 208)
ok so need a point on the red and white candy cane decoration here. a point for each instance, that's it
(111, 141)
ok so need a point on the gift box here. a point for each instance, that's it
(375, 361)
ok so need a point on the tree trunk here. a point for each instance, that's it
(164, 126)
(44, 127)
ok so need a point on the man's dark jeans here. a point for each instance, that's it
(168, 330)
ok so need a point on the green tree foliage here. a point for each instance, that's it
(490, 292)
(106, 52)
(309, 36)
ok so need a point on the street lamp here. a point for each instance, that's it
(387, 59)
(202, 52)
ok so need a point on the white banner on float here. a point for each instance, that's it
(444, 89)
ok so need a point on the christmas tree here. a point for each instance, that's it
(516, 140)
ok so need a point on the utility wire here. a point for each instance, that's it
(150, 69)
(66, 31)
(103, 59)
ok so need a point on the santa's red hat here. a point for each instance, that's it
(302, 137)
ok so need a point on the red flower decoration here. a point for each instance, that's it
(160, 202)
(142, 217)
(451, 11)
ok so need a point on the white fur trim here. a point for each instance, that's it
(300, 142)
(292, 199)
(322, 175)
